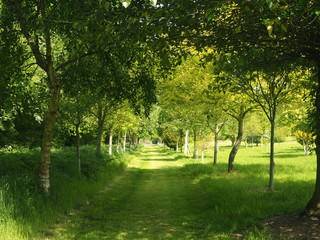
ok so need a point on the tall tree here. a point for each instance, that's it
(59, 33)
(288, 29)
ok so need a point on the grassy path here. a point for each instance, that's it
(154, 199)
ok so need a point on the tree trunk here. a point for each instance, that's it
(195, 144)
(313, 206)
(186, 142)
(118, 140)
(202, 155)
(78, 147)
(272, 163)
(124, 141)
(306, 149)
(236, 145)
(177, 146)
(44, 171)
(110, 141)
(216, 145)
(100, 129)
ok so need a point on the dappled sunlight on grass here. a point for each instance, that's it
(165, 195)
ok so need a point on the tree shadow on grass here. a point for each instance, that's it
(145, 204)
(167, 203)
(241, 200)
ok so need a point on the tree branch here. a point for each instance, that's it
(34, 45)
(76, 59)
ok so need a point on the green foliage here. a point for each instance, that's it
(305, 138)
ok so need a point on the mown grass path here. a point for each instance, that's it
(154, 199)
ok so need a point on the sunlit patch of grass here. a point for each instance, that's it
(240, 200)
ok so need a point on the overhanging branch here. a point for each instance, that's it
(76, 59)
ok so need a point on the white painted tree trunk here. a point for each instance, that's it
(202, 155)
(186, 143)
(124, 141)
(110, 142)
(306, 149)
(118, 140)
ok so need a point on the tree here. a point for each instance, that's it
(238, 108)
(183, 96)
(305, 139)
(57, 34)
(287, 29)
(74, 110)
(216, 120)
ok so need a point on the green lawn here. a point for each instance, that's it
(165, 195)
(241, 199)
(162, 195)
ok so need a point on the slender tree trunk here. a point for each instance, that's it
(202, 155)
(124, 141)
(118, 140)
(313, 206)
(306, 149)
(177, 145)
(186, 142)
(100, 129)
(272, 163)
(110, 141)
(78, 147)
(216, 145)
(44, 171)
(236, 145)
(195, 144)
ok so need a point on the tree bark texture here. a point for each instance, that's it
(313, 206)
(44, 171)
(236, 145)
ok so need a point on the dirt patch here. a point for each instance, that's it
(293, 226)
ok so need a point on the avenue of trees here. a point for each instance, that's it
(90, 72)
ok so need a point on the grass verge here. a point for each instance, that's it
(24, 212)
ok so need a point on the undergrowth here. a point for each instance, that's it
(25, 212)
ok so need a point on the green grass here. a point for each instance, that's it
(163, 194)
(241, 200)
(25, 212)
